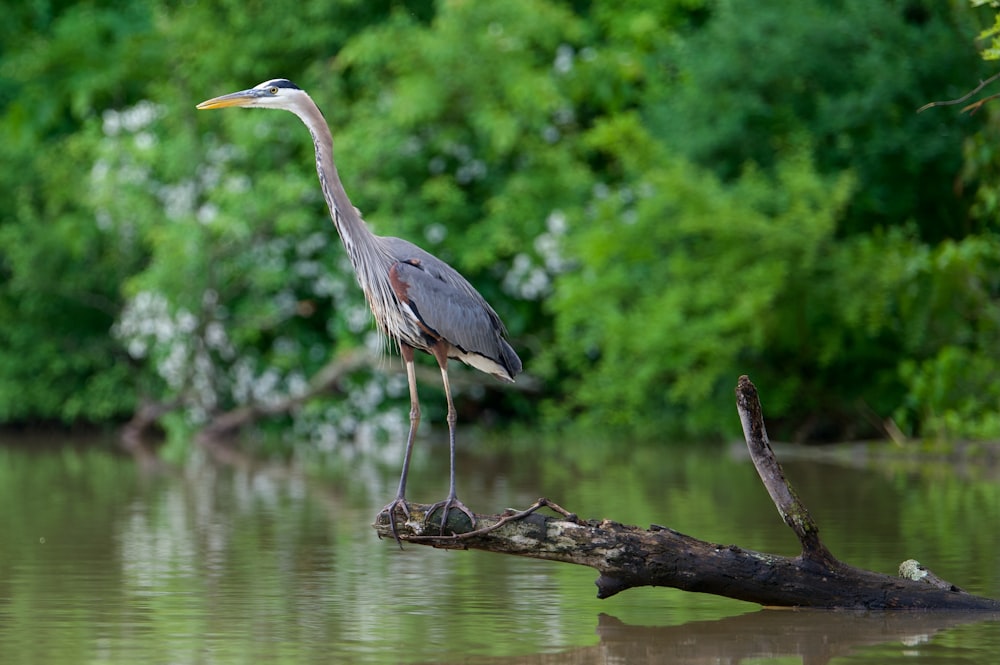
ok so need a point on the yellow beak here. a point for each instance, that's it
(241, 98)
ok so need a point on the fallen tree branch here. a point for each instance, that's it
(630, 556)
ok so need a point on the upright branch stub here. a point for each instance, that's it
(791, 509)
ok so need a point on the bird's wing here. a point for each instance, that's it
(450, 308)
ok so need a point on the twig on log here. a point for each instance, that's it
(791, 509)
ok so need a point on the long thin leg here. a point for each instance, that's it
(400, 501)
(452, 500)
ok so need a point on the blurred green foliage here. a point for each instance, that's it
(656, 197)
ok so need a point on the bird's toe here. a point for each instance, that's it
(390, 511)
(446, 507)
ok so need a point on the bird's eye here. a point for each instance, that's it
(273, 90)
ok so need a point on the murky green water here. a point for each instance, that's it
(102, 563)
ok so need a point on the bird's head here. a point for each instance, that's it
(272, 94)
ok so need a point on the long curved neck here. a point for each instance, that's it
(354, 233)
(368, 255)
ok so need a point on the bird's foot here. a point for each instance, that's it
(390, 510)
(446, 507)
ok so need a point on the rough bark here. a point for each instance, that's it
(630, 556)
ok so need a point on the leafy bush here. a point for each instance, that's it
(651, 211)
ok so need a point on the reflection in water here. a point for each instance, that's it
(814, 637)
(99, 563)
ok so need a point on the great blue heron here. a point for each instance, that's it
(418, 300)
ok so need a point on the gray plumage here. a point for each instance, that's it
(418, 300)
(437, 296)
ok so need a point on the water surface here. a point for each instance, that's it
(101, 562)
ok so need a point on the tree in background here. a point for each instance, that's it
(121, 285)
(60, 271)
(656, 196)
(795, 220)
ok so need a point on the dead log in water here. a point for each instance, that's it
(630, 556)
